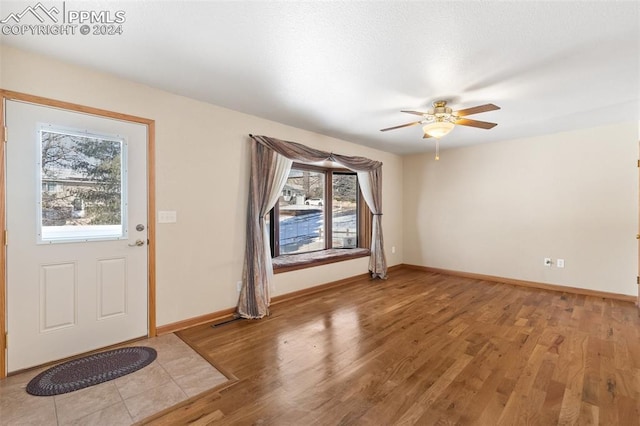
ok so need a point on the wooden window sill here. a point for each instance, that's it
(293, 262)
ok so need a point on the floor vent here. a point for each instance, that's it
(235, 318)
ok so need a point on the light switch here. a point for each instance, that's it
(167, 216)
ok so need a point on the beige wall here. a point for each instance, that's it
(495, 209)
(500, 208)
(204, 148)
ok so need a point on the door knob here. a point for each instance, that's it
(138, 243)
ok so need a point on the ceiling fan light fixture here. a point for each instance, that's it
(438, 129)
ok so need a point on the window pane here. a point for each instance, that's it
(301, 210)
(81, 189)
(344, 211)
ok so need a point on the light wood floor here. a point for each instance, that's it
(423, 348)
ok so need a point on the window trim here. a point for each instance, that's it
(328, 254)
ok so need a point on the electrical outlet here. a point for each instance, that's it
(393, 249)
(560, 263)
(239, 286)
(548, 261)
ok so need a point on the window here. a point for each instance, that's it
(301, 213)
(319, 209)
(81, 193)
(344, 210)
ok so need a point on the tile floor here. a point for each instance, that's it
(177, 374)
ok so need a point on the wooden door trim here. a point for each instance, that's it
(6, 95)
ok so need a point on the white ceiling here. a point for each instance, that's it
(347, 68)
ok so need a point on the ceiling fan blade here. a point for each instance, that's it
(416, 112)
(476, 110)
(476, 123)
(401, 126)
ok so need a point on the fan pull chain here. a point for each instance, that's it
(437, 149)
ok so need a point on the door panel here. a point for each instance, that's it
(76, 280)
(112, 287)
(58, 303)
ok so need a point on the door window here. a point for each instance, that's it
(81, 186)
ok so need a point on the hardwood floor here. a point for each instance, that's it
(423, 348)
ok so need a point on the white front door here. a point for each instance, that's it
(77, 233)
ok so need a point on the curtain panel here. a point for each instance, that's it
(271, 161)
(371, 188)
(269, 172)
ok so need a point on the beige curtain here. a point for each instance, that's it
(269, 172)
(371, 188)
(271, 161)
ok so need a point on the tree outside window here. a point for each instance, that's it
(81, 185)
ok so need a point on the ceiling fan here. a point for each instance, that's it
(441, 119)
